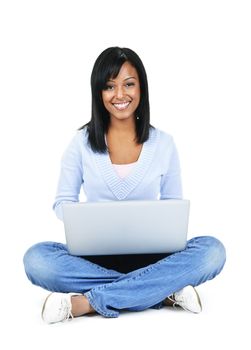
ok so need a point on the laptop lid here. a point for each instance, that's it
(126, 227)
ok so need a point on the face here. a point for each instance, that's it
(121, 95)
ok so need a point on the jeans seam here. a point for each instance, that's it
(64, 249)
(146, 270)
(91, 300)
(96, 266)
(104, 286)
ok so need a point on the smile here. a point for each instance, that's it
(121, 106)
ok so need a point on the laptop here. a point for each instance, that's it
(126, 227)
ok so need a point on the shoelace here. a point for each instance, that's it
(177, 303)
(172, 299)
(66, 309)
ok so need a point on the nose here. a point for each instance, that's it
(119, 92)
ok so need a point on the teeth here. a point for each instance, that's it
(121, 106)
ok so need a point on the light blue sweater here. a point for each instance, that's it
(156, 174)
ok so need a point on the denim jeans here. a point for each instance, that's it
(147, 283)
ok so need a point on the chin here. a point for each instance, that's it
(124, 117)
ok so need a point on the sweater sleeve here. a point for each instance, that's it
(70, 178)
(171, 186)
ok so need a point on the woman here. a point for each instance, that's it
(119, 155)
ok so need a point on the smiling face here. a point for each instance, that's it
(121, 95)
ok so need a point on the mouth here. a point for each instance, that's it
(121, 106)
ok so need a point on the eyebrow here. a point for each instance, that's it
(124, 79)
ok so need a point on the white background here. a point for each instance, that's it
(197, 56)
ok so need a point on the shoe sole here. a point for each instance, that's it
(42, 312)
(199, 301)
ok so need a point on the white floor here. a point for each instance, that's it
(223, 322)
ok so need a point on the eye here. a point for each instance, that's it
(108, 87)
(130, 84)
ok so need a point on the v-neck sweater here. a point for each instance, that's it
(155, 175)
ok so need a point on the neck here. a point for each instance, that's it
(122, 127)
(122, 131)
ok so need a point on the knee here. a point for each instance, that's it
(37, 261)
(34, 260)
(216, 251)
(213, 253)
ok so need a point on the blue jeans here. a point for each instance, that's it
(147, 283)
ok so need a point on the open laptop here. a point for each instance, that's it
(126, 227)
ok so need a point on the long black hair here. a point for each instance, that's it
(107, 66)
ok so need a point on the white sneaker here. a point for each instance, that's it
(57, 307)
(188, 299)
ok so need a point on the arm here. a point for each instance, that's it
(71, 176)
(170, 185)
